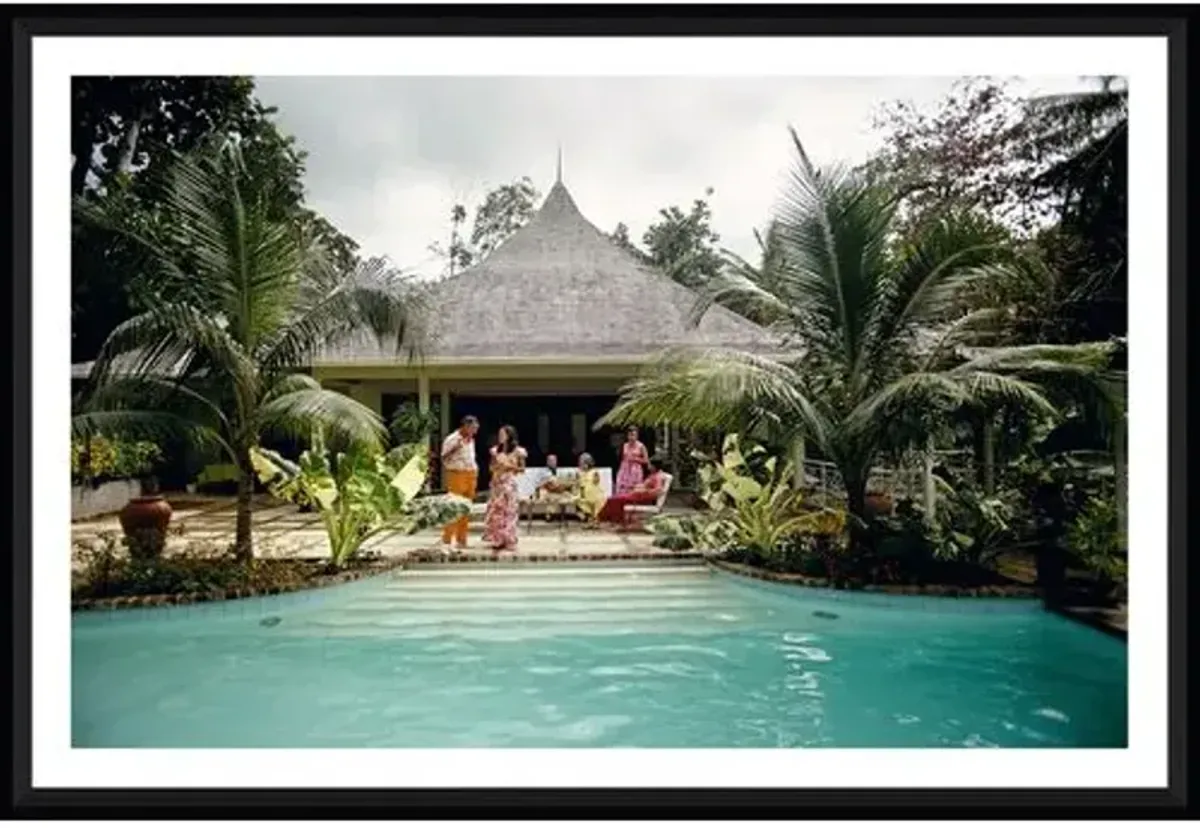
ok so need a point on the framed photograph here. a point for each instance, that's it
(904, 289)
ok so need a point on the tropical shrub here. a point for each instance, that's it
(245, 296)
(1094, 538)
(753, 512)
(704, 532)
(873, 344)
(96, 459)
(359, 493)
(411, 425)
(968, 525)
(107, 571)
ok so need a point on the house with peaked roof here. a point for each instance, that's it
(540, 335)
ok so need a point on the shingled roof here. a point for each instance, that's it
(561, 288)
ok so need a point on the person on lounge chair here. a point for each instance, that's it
(645, 492)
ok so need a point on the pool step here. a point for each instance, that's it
(474, 571)
(509, 604)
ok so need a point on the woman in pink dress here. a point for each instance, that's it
(503, 515)
(634, 458)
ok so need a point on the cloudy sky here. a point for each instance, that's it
(389, 156)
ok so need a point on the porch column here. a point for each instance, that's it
(423, 394)
(445, 413)
(798, 463)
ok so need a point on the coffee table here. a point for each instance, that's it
(553, 502)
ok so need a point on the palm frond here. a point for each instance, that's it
(833, 224)
(990, 389)
(1045, 357)
(919, 390)
(170, 341)
(288, 383)
(741, 288)
(717, 388)
(375, 299)
(148, 390)
(929, 279)
(150, 425)
(297, 413)
(965, 330)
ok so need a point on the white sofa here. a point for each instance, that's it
(533, 476)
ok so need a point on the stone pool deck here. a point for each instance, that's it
(281, 530)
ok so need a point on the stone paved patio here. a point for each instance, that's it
(281, 530)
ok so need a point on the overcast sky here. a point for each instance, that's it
(388, 157)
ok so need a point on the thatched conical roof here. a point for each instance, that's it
(561, 288)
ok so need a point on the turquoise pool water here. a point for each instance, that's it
(630, 657)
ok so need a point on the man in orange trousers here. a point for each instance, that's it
(460, 474)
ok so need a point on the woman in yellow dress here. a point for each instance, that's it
(589, 497)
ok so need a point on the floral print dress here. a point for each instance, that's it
(503, 506)
(630, 473)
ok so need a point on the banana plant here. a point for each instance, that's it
(752, 505)
(359, 493)
(737, 475)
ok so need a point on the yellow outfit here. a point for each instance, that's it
(590, 499)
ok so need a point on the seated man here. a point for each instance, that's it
(645, 492)
(555, 486)
(554, 482)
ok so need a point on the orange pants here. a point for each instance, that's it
(460, 483)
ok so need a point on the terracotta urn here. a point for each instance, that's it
(144, 521)
(878, 504)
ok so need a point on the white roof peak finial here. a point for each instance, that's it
(558, 169)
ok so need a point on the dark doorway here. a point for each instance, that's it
(560, 425)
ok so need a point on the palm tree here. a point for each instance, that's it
(871, 333)
(768, 272)
(245, 298)
(1084, 137)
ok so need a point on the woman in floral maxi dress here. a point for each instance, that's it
(633, 461)
(503, 515)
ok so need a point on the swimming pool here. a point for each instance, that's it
(664, 656)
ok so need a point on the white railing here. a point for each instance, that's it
(904, 481)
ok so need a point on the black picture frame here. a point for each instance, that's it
(745, 20)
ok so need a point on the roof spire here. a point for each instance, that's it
(558, 169)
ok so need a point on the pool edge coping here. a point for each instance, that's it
(163, 600)
(467, 562)
(1087, 616)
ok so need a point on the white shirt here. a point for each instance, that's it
(458, 452)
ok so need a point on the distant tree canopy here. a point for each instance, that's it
(125, 133)
(680, 243)
(1053, 169)
(503, 211)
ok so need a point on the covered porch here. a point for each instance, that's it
(554, 406)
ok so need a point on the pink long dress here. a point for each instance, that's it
(503, 515)
(630, 473)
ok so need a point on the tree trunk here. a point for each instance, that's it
(243, 545)
(129, 142)
(988, 455)
(856, 504)
(1122, 481)
(1051, 560)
